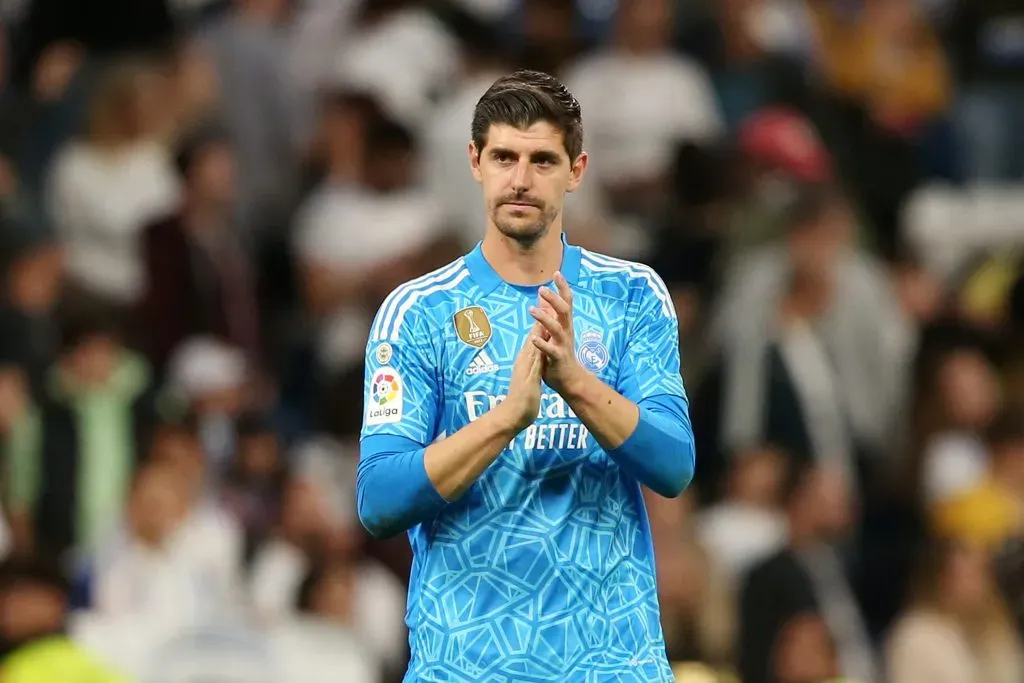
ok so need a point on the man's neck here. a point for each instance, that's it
(525, 266)
(200, 218)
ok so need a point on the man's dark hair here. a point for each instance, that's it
(812, 203)
(83, 317)
(524, 98)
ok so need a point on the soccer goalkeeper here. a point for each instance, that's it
(516, 401)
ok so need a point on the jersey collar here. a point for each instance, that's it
(486, 277)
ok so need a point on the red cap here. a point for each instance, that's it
(782, 138)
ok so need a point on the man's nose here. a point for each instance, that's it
(522, 177)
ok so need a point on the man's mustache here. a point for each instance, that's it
(527, 201)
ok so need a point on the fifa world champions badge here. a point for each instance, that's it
(592, 353)
(473, 326)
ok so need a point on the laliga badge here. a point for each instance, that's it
(386, 397)
(592, 353)
(472, 326)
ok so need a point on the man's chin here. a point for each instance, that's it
(525, 233)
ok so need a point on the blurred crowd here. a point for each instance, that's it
(202, 203)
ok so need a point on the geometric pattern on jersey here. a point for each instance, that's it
(544, 569)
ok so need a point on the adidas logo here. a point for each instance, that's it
(481, 364)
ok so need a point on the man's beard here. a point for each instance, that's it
(526, 234)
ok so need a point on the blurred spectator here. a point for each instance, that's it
(144, 574)
(307, 541)
(888, 80)
(199, 279)
(105, 187)
(886, 58)
(697, 606)
(209, 538)
(545, 38)
(748, 524)
(957, 630)
(264, 111)
(814, 343)
(963, 399)
(782, 152)
(214, 381)
(991, 511)
(37, 119)
(70, 459)
(33, 615)
(989, 53)
(254, 483)
(687, 248)
(347, 269)
(398, 51)
(661, 98)
(805, 581)
(33, 266)
(757, 51)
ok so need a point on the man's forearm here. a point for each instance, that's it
(653, 441)
(457, 461)
(401, 484)
(610, 416)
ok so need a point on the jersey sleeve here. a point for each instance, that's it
(651, 365)
(402, 395)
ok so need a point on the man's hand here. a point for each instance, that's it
(561, 369)
(523, 401)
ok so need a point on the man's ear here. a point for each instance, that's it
(474, 161)
(579, 169)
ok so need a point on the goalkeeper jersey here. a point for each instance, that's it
(544, 570)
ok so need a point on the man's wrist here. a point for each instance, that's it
(576, 385)
(503, 421)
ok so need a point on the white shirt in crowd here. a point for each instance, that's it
(99, 201)
(659, 99)
(738, 536)
(355, 232)
(407, 60)
(954, 463)
(196, 574)
(278, 571)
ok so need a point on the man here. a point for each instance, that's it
(34, 643)
(532, 549)
(198, 276)
(797, 611)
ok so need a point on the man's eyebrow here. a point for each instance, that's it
(545, 155)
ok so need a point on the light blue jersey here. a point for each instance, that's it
(544, 569)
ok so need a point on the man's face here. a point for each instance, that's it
(35, 279)
(213, 175)
(646, 23)
(95, 359)
(525, 174)
(831, 503)
(815, 248)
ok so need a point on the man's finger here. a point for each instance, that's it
(563, 288)
(556, 301)
(546, 347)
(553, 326)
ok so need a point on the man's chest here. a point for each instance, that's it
(481, 341)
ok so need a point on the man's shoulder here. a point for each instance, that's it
(622, 279)
(420, 302)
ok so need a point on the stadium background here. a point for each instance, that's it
(203, 203)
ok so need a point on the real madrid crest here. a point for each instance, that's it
(472, 326)
(592, 353)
